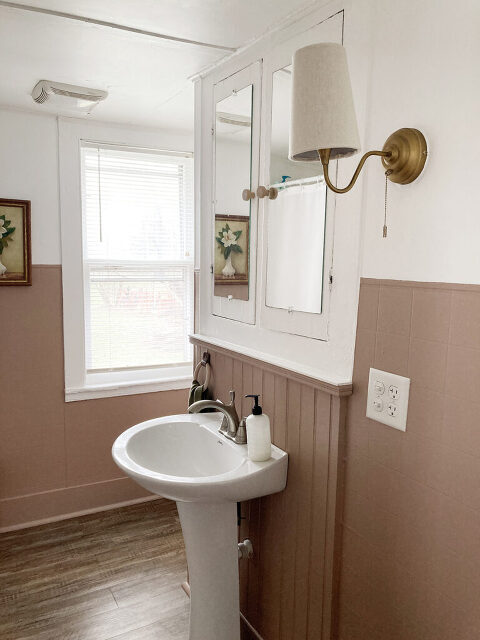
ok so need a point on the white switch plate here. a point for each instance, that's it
(388, 398)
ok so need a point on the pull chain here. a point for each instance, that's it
(387, 173)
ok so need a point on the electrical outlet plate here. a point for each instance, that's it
(388, 398)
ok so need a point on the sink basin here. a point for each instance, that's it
(184, 458)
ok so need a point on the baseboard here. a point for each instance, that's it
(247, 631)
(60, 504)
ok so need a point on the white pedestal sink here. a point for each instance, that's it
(184, 458)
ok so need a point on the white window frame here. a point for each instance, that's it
(79, 386)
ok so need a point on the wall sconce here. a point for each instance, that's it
(324, 126)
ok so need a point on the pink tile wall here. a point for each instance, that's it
(411, 542)
(49, 447)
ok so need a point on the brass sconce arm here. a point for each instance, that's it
(403, 158)
(324, 155)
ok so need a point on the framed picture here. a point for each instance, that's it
(15, 242)
(231, 249)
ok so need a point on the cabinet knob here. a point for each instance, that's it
(263, 192)
(248, 195)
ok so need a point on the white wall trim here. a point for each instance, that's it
(113, 25)
(91, 392)
(295, 367)
(77, 514)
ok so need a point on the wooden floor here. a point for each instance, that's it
(115, 574)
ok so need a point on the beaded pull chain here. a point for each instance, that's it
(385, 229)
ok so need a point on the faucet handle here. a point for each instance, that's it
(232, 398)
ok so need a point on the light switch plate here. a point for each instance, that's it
(387, 400)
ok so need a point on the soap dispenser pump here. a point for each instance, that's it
(258, 433)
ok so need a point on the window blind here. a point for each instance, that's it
(138, 257)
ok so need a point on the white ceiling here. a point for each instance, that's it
(147, 78)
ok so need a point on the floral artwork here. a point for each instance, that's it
(15, 261)
(6, 230)
(231, 252)
(228, 242)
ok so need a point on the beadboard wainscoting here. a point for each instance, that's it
(288, 589)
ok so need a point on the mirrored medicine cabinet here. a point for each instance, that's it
(268, 212)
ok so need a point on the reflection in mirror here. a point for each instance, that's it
(233, 151)
(281, 168)
(295, 237)
(296, 219)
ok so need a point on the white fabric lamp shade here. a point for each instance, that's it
(323, 114)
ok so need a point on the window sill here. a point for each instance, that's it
(94, 391)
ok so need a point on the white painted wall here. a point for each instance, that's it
(29, 171)
(29, 167)
(425, 70)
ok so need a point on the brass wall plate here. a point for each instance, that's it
(408, 149)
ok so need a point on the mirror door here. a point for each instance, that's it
(235, 178)
(297, 216)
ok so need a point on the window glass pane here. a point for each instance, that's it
(138, 258)
(139, 317)
(138, 205)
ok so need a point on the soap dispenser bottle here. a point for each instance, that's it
(258, 433)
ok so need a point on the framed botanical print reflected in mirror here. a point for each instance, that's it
(231, 256)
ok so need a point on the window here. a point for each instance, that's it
(138, 235)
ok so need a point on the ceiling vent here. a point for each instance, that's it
(67, 95)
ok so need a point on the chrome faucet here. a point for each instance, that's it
(231, 426)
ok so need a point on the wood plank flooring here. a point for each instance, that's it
(115, 574)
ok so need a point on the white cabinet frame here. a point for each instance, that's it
(312, 325)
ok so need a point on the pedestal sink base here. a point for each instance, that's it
(210, 534)
(184, 458)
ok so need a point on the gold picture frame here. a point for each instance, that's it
(16, 248)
